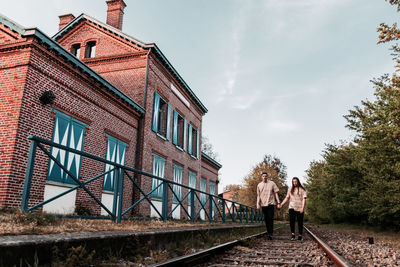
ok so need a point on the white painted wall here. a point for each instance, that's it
(62, 205)
(177, 212)
(158, 205)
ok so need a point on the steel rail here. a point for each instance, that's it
(338, 260)
(201, 255)
(196, 257)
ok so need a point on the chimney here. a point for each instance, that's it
(64, 20)
(115, 13)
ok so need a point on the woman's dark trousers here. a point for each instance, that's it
(292, 217)
(268, 212)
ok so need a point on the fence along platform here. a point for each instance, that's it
(216, 209)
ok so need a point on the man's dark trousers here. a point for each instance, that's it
(268, 212)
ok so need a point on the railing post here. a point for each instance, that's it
(120, 193)
(241, 213)
(28, 176)
(210, 200)
(164, 211)
(251, 214)
(192, 207)
(116, 188)
(223, 211)
(233, 207)
(247, 214)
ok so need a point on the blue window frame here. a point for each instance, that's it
(203, 183)
(158, 170)
(68, 132)
(116, 151)
(179, 130)
(193, 144)
(178, 170)
(161, 117)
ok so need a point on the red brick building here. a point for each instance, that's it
(115, 97)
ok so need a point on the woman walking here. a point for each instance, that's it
(296, 196)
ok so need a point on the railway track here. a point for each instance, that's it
(258, 251)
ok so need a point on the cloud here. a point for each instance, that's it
(239, 22)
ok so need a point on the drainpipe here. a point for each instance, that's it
(139, 140)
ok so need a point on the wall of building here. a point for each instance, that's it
(77, 97)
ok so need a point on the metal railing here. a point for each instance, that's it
(215, 208)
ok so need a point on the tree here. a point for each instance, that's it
(208, 149)
(275, 168)
(377, 124)
(235, 189)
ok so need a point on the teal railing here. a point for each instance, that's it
(216, 209)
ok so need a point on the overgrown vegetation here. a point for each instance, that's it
(359, 182)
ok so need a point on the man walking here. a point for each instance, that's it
(267, 198)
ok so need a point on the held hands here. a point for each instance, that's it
(279, 206)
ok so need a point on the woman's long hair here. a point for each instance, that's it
(298, 185)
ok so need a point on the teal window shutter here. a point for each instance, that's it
(198, 145)
(156, 107)
(175, 129)
(178, 179)
(190, 140)
(203, 189)
(184, 134)
(168, 122)
(116, 151)
(158, 170)
(68, 132)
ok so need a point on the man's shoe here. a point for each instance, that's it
(293, 238)
(300, 238)
(269, 237)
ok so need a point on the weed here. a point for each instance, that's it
(36, 218)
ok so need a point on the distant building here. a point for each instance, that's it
(115, 97)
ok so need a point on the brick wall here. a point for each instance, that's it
(76, 96)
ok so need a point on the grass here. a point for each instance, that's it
(384, 237)
(14, 222)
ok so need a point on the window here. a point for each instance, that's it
(158, 170)
(212, 192)
(68, 132)
(192, 182)
(179, 131)
(177, 179)
(116, 151)
(76, 50)
(193, 146)
(90, 49)
(203, 189)
(161, 117)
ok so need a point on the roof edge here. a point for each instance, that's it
(213, 161)
(11, 24)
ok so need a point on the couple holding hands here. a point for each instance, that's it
(267, 198)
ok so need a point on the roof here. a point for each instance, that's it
(203, 155)
(152, 46)
(65, 54)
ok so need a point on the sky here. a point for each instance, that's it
(276, 76)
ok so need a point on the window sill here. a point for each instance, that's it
(108, 192)
(161, 136)
(179, 148)
(193, 157)
(51, 182)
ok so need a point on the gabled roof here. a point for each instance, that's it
(152, 46)
(65, 54)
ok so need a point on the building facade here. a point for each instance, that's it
(108, 94)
